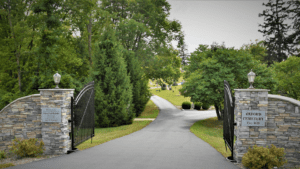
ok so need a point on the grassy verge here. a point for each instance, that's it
(172, 96)
(6, 165)
(103, 135)
(211, 131)
(151, 110)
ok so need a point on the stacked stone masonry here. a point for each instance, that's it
(56, 135)
(282, 124)
(22, 119)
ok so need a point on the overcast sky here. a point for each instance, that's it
(234, 22)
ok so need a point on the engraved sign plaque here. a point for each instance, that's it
(51, 115)
(253, 118)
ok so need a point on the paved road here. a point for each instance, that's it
(166, 143)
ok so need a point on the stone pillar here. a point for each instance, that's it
(56, 134)
(247, 136)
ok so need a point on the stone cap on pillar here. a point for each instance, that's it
(55, 89)
(252, 90)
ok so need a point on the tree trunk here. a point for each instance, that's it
(218, 112)
(89, 28)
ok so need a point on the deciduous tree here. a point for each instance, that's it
(209, 68)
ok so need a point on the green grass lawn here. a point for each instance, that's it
(103, 135)
(151, 110)
(172, 96)
(211, 131)
(6, 165)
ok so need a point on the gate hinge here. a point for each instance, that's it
(234, 123)
(70, 121)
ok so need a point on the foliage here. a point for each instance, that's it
(140, 92)
(27, 148)
(259, 157)
(40, 37)
(142, 26)
(198, 105)
(294, 37)
(205, 106)
(257, 50)
(186, 105)
(2, 155)
(209, 68)
(288, 75)
(113, 90)
(33, 47)
(164, 87)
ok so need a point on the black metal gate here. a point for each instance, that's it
(82, 116)
(228, 122)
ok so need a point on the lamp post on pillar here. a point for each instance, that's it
(251, 77)
(56, 78)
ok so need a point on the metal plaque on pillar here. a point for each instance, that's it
(253, 118)
(51, 115)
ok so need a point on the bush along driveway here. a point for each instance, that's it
(165, 143)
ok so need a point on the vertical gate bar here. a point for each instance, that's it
(72, 119)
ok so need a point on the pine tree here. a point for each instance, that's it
(140, 92)
(294, 38)
(275, 30)
(113, 90)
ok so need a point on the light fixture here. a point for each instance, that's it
(56, 78)
(251, 77)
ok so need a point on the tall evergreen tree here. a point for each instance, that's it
(113, 96)
(140, 92)
(275, 30)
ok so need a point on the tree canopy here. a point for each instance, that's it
(209, 67)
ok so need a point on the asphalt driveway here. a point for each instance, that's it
(165, 143)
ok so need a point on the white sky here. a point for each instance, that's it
(207, 21)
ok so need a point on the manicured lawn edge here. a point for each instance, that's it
(103, 135)
(151, 110)
(211, 131)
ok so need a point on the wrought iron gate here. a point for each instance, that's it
(82, 116)
(228, 118)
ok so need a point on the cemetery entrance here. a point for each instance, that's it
(82, 116)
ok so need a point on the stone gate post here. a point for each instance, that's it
(252, 106)
(56, 111)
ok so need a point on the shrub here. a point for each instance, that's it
(205, 106)
(186, 105)
(164, 87)
(261, 157)
(27, 148)
(2, 155)
(198, 105)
